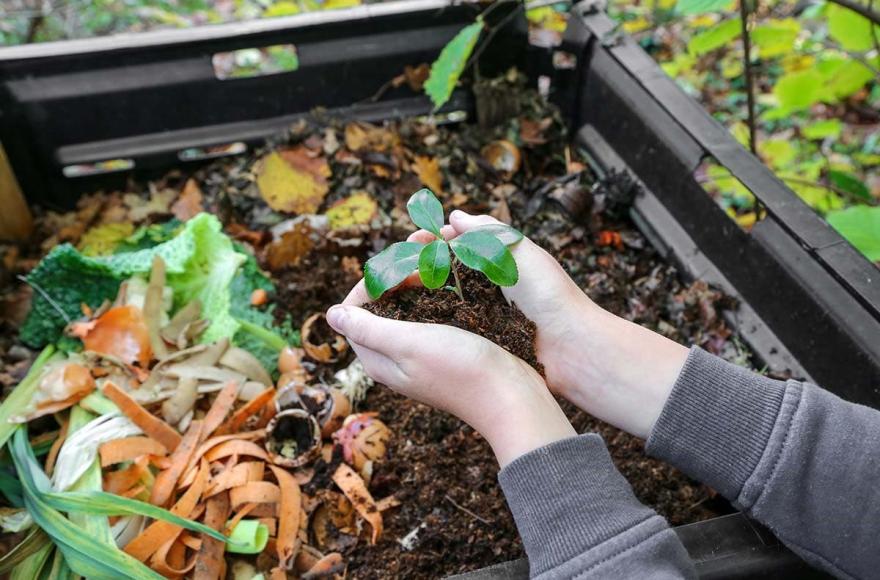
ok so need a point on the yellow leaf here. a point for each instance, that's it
(102, 240)
(636, 25)
(428, 170)
(292, 189)
(359, 208)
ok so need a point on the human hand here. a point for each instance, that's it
(618, 371)
(495, 392)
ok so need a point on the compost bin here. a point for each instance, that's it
(85, 115)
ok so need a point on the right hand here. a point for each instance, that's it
(615, 370)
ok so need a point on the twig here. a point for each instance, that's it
(46, 296)
(860, 9)
(750, 88)
(467, 511)
(874, 34)
(494, 30)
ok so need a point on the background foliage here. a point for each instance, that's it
(815, 67)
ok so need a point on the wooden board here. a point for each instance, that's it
(15, 217)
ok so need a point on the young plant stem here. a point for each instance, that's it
(747, 62)
(457, 286)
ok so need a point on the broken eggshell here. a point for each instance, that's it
(293, 438)
(328, 405)
(320, 341)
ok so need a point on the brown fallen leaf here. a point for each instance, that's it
(293, 183)
(293, 246)
(360, 136)
(189, 204)
(416, 76)
(428, 170)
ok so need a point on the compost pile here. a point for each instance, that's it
(175, 404)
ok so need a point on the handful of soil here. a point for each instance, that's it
(483, 311)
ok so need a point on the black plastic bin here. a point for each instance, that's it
(810, 304)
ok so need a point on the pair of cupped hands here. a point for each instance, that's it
(614, 369)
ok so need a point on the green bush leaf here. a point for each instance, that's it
(798, 90)
(700, 6)
(776, 37)
(505, 234)
(434, 264)
(390, 267)
(426, 211)
(860, 225)
(850, 29)
(484, 252)
(841, 77)
(448, 67)
(715, 37)
(849, 183)
(823, 129)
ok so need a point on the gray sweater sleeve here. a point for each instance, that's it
(800, 460)
(578, 517)
(795, 457)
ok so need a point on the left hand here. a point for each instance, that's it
(495, 392)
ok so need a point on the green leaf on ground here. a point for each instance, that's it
(841, 77)
(860, 225)
(426, 211)
(849, 29)
(849, 183)
(484, 252)
(446, 70)
(390, 267)
(715, 37)
(434, 264)
(688, 7)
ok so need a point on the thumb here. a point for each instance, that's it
(463, 221)
(379, 334)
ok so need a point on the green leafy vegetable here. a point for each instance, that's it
(390, 267)
(484, 252)
(446, 70)
(860, 225)
(434, 264)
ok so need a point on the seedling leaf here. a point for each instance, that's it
(426, 211)
(505, 234)
(482, 251)
(390, 267)
(448, 67)
(434, 264)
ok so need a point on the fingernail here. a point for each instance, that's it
(336, 318)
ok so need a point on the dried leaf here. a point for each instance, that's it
(293, 246)
(357, 209)
(294, 183)
(428, 170)
(189, 204)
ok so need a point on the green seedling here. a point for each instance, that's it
(484, 249)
